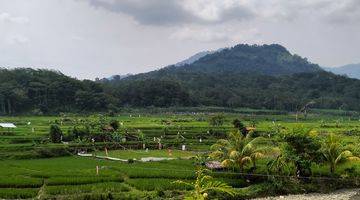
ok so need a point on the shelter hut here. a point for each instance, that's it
(214, 165)
(7, 126)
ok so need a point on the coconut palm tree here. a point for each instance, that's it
(237, 150)
(205, 184)
(334, 154)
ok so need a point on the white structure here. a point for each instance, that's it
(7, 125)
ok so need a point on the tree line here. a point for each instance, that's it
(38, 91)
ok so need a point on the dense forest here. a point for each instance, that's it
(44, 91)
(243, 76)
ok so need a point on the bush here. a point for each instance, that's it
(55, 133)
(46, 152)
(217, 120)
(115, 124)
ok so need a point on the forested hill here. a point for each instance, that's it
(254, 76)
(276, 80)
(266, 59)
(44, 91)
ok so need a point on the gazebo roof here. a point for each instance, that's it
(7, 125)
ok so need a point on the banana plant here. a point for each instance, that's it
(334, 154)
(205, 184)
(237, 150)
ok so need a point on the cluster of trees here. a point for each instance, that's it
(98, 129)
(45, 91)
(288, 92)
(299, 151)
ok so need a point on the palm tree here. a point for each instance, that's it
(334, 154)
(237, 150)
(205, 184)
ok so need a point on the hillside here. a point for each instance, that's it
(245, 76)
(272, 60)
(196, 57)
(351, 70)
(193, 58)
(24, 90)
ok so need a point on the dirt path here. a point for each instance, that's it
(349, 194)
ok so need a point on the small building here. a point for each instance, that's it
(214, 165)
(8, 126)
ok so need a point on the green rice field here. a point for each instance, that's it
(33, 167)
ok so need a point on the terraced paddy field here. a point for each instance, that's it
(33, 166)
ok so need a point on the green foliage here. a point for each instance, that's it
(334, 154)
(55, 133)
(237, 150)
(302, 149)
(45, 91)
(204, 184)
(63, 180)
(239, 126)
(15, 193)
(87, 188)
(115, 124)
(217, 120)
(20, 182)
(149, 184)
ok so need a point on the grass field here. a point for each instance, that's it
(33, 167)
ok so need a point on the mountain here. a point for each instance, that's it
(253, 76)
(196, 57)
(351, 70)
(266, 59)
(193, 58)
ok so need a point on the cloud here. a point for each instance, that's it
(171, 12)
(217, 34)
(6, 17)
(200, 34)
(17, 39)
(99, 38)
(344, 12)
(150, 12)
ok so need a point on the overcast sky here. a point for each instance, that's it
(99, 38)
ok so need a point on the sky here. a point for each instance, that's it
(99, 38)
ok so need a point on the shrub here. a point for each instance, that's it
(115, 124)
(217, 120)
(302, 149)
(55, 133)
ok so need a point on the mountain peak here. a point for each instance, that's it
(272, 59)
(350, 70)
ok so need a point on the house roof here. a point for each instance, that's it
(213, 165)
(7, 125)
